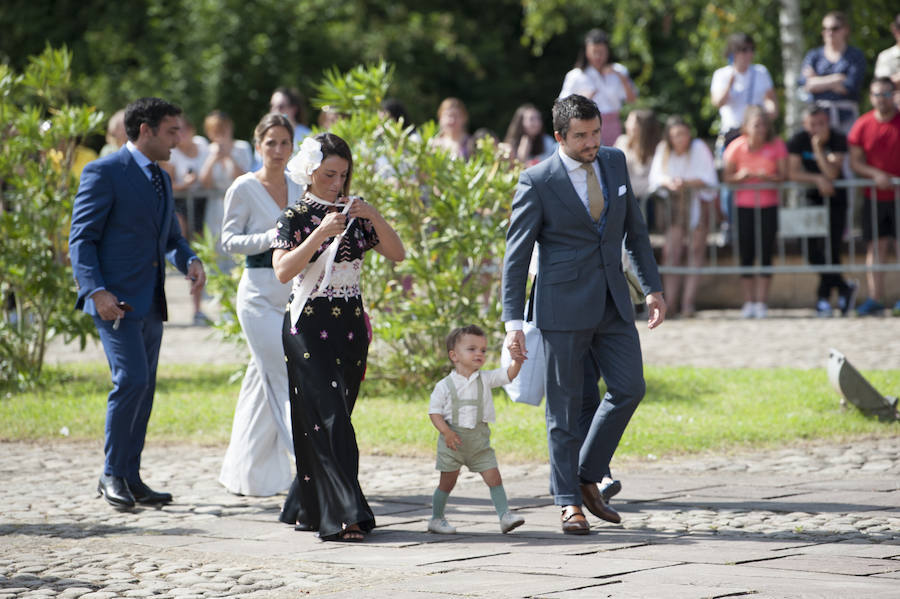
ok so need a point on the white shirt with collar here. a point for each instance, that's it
(467, 388)
(578, 177)
(142, 161)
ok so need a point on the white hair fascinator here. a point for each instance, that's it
(300, 168)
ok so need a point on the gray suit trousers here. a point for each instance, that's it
(576, 454)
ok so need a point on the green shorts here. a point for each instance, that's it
(476, 452)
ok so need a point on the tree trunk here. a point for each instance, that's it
(791, 33)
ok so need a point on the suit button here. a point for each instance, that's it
(155, 264)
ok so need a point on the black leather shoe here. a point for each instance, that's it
(115, 491)
(610, 490)
(147, 496)
(593, 501)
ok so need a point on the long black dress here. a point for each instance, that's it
(325, 351)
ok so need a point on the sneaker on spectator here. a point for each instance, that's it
(870, 307)
(896, 310)
(823, 308)
(847, 298)
(201, 320)
(760, 310)
(748, 310)
(509, 521)
(441, 526)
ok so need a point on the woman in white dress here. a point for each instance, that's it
(683, 172)
(605, 82)
(259, 456)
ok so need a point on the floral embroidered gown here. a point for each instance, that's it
(325, 351)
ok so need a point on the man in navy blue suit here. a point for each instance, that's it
(123, 229)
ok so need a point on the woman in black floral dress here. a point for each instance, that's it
(325, 336)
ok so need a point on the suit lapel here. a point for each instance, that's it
(561, 185)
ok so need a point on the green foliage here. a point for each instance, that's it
(221, 285)
(38, 144)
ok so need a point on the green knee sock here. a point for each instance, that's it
(498, 496)
(438, 503)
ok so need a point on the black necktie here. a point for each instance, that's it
(156, 179)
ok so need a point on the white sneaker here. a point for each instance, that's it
(748, 310)
(441, 526)
(509, 521)
(760, 310)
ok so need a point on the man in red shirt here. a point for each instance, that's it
(874, 144)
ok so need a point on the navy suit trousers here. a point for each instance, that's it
(132, 352)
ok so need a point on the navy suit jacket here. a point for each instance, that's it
(576, 263)
(119, 240)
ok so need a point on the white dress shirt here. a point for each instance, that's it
(467, 388)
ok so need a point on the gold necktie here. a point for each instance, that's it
(595, 191)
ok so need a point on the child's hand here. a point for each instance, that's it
(452, 440)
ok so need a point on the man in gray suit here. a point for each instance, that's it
(579, 207)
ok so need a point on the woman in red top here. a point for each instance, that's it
(757, 156)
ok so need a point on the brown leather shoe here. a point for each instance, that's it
(573, 521)
(593, 500)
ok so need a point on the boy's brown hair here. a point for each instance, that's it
(457, 333)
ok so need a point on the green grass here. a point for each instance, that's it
(686, 410)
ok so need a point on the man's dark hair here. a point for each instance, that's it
(737, 41)
(573, 107)
(295, 99)
(812, 110)
(884, 80)
(147, 110)
(456, 334)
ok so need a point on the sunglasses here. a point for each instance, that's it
(832, 29)
(746, 49)
(881, 94)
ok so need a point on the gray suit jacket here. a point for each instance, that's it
(576, 264)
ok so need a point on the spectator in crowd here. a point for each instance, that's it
(756, 156)
(453, 136)
(875, 154)
(289, 102)
(396, 110)
(888, 62)
(596, 77)
(328, 116)
(227, 160)
(734, 87)
(525, 137)
(639, 143)
(259, 456)
(184, 165)
(115, 133)
(833, 74)
(815, 156)
(681, 170)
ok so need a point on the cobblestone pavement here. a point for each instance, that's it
(811, 521)
(817, 521)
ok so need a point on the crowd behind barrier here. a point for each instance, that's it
(799, 222)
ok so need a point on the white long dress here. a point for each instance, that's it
(261, 451)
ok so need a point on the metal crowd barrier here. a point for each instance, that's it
(799, 222)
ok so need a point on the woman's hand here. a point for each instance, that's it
(362, 209)
(332, 225)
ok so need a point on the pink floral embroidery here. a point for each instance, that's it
(350, 336)
(323, 335)
(293, 330)
(306, 230)
(297, 236)
(315, 219)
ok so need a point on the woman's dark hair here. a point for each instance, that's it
(147, 110)
(269, 121)
(594, 36)
(332, 145)
(396, 110)
(295, 99)
(648, 134)
(736, 41)
(573, 107)
(516, 131)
